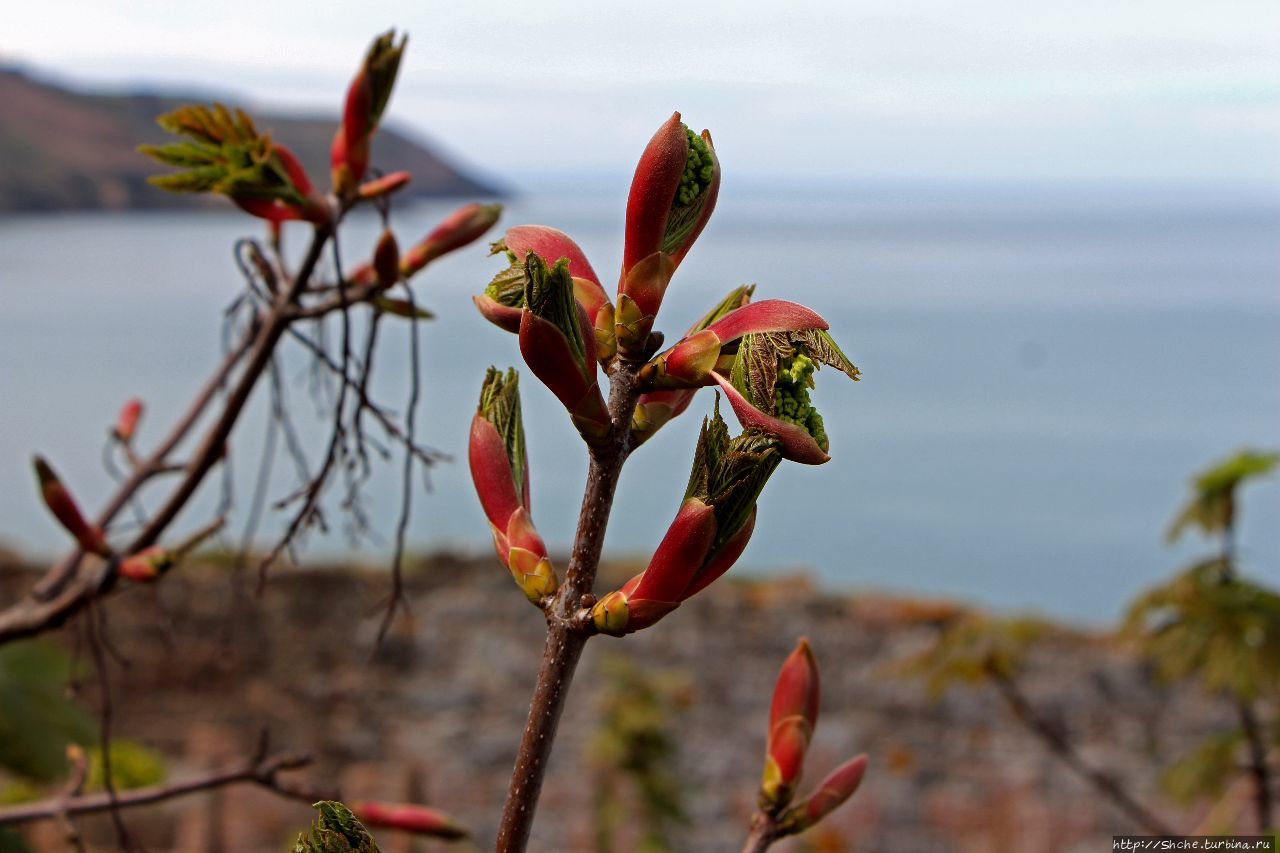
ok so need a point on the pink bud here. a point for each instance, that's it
(367, 97)
(465, 225)
(420, 820)
(833, 791)
(146, 565)
(792, 718)
(672, 195)
(383, 186)
(551, 245)
(690, 361)
(491, 473)
(67, 511)
(127, 420)
(679, 554)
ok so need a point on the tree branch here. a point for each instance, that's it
(565, 641)
(34, 615)
(1066, 752)
(260, 771)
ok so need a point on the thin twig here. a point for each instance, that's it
(406, 484)
(261, 771)
(34, 615)
(1065, 750)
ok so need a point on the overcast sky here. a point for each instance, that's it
(1022, 90)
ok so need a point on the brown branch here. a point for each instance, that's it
(565, 641)
(153, 465)
(260, 771)
(764, 831)
(34, 615)
(1258, 767)
(1066, 752)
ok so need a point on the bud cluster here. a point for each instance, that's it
(793, 715)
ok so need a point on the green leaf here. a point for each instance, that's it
(37, 721)
(336, 830)
(222, 153)
(728, 474)
(500, 406)
(1209, 624)
(1212, 504)
(548, 293)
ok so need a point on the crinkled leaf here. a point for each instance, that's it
(336, 830)
(224, 153)
(729, 473)
(500, 406)
(507, 287)
(548, 293)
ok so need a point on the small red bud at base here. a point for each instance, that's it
(127, 420)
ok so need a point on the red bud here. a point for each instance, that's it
(64, 508)
(386, 260)
(792, 717)
(383, 186)
(465, 225)
(420, 820)
(833, 791)
(127, 420)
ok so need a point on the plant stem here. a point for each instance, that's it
(1060, 746)
(1257, 764)
(764, 831)
(564, 644)
(260, 771)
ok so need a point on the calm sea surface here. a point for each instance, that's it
(1042, 372)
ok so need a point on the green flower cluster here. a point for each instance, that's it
(698, 170)
(791, 401)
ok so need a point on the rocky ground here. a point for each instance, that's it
(438, 710)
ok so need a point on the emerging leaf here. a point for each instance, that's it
(336, 830)
(225, 154)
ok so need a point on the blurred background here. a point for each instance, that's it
(1049, 236)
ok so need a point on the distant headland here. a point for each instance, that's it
(64, 150)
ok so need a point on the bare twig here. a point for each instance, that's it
(263, 771)
(1061, 746)
(67, 591)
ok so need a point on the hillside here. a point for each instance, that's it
(67, 150)
(439, 709)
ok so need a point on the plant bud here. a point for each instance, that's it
(419, 820)
(127, 421)
(792, 717)
(386, 260)
(460, 228)
(834, 790)
(672, 195)
(367, 98)
(64, 508)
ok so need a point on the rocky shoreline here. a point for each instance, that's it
(437, 711)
